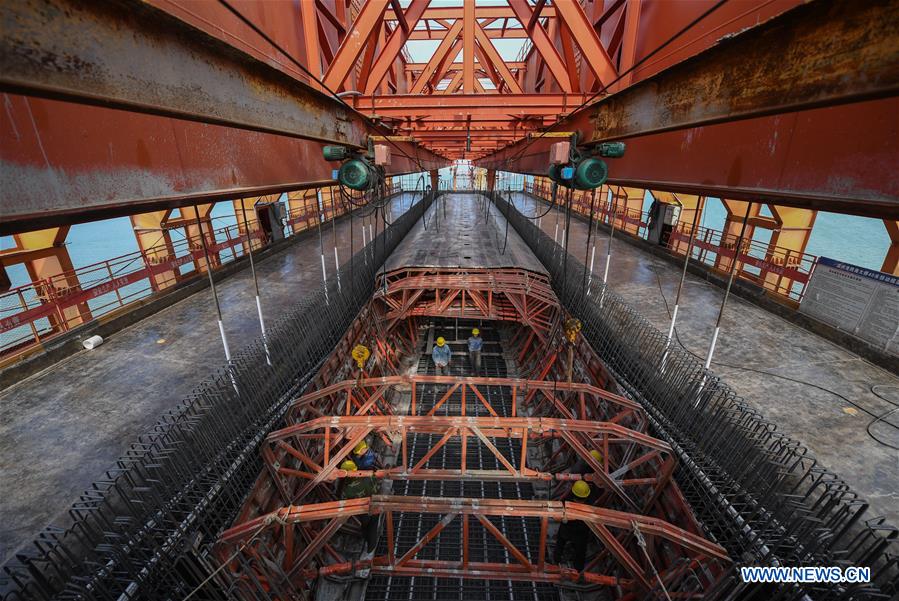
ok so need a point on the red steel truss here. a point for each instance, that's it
(304, 531)
(292, 530)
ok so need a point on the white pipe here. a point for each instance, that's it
(708, 359)
(556, 234)
(324, 273)
(336, 260)
(592, 257)
(224, 341)
(673, 319)
(605, 273)
(268, 359)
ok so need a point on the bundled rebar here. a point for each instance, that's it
(144, 531)
(758, 492)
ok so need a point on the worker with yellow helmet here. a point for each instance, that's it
(441, 355)
(475, 342)
(364, 457)
(573, 531)
(357, 487)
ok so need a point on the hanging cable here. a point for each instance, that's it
(877, 418)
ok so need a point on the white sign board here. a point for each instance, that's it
(860, 301)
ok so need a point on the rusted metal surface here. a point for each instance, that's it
(132, 56)
(128, 109)
(819, 54)
(762, 116)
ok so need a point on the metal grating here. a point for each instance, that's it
(523, 532)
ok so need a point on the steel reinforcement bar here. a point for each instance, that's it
(143, 531)
(757, 491)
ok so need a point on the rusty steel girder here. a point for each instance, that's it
(132, 56)
(303, 537)
(117, 107)
(798, 111)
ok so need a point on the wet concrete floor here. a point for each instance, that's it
(751, 338)
(62, 428)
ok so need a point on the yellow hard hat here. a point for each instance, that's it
(349, 465)
(581, 489)
(360, 448)
(441, 341)
(475, 332)
(596, 455)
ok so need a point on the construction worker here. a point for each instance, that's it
(441, 354)
(364, 457)
(357, 488)
(579, 467)
(475, 342)
(573, 531)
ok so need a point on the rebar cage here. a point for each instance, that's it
(758, 492)
(144, 530)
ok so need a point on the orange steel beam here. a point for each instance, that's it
(404, 105)
(544, 45)
(482, 12)
(538, 8)
(494, 57)
(368, 20)
(633, 466)
(450, 56)
(511, 33)
(428, 69)
(394, 44)
(419, 67)
(583, 33)
(891, 260)
(468, 28)
(271, 526)
(629, 42)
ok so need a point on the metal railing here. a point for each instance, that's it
(782, 271)
(758, 492)
(33, 313)
(144, 530)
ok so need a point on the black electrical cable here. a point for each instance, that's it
(552, 203)
(877, 418)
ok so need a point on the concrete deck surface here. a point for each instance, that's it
(463, 231)
(754, 339)
(62, 428)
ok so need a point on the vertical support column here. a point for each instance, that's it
(46, 258)
(435, 179)
(629, 204)
(733, 225)
(491, 180)
(200, 232)
(787, 245)
(248, 223)
(891, 260)
(468, 29)
(155, 244)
